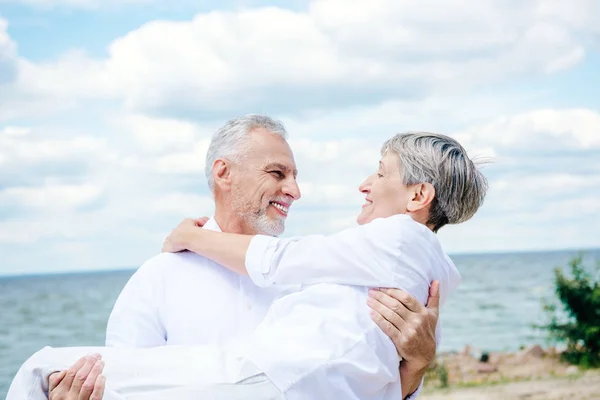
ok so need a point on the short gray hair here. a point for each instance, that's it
(459, 185)
(231, 141)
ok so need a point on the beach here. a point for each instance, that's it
(533, 373)
(585, 386)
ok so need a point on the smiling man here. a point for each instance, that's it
(186, 299)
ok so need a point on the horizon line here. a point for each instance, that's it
(102, 270)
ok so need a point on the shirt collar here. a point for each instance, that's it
(212, 225)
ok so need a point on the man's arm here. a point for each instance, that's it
(135, 319)
(412, 327)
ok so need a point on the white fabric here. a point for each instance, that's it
(186, 299)
(320, 342)
(160, 373)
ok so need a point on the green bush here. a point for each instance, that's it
(443, 376)
(579, 296)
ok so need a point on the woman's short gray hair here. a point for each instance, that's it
(232, 140)
(441, 161)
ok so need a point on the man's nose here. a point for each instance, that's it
(291, 189)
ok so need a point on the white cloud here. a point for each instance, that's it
(184, 162)
(14, 145)
(178, 204)
(23, 146)
(75, 3)
(197, 64)
(73, 75)
(352, 52)
(583, 15)
(160, 135)
(8, 55)
(52, 197)
(540, 130)
(165, 145)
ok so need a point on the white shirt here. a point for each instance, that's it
(186, 299)
(320, 342)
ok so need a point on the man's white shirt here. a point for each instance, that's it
(186, 299)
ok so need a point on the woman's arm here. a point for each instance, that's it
(367, 255)
(227, 249)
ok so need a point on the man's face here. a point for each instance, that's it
(385, 193)
(264, 184)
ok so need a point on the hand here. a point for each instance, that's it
(409, 324)
(80, 382)
(201, 221)
(177, 239)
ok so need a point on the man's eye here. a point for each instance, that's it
(277, 174)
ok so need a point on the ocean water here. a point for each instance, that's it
(495, 308)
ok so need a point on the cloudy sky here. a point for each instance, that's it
(107, 107)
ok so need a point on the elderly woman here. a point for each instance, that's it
(317, 340)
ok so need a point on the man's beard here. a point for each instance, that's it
(258, 220)
(265, 225)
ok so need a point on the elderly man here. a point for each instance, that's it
(184, 299)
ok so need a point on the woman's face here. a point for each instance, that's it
(385, 194)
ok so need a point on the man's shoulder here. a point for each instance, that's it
(171, 262)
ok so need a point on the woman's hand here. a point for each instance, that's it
(201, 221)
(179, 238)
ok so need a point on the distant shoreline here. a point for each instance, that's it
(125, 269)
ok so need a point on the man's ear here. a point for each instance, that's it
(421, 197)
(221, 171)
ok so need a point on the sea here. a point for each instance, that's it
(496, 308)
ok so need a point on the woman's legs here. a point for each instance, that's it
(133, 372)
(253, 384)
(31, 381)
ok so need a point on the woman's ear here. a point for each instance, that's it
(221, 171)
(422, 195)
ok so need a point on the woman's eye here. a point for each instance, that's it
(379, 175)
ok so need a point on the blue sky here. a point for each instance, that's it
(106, 109)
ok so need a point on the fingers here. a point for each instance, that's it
(90, 382)
(98, 388)
(434, 295)
(187, 222)
(386, 326)
(82, 374)
(168, 246)
(201, 221)
(67, 381)
(55, 379)
(389, 314)
(388, 306)
(408, 301)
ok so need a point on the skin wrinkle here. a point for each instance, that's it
(261, 181)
